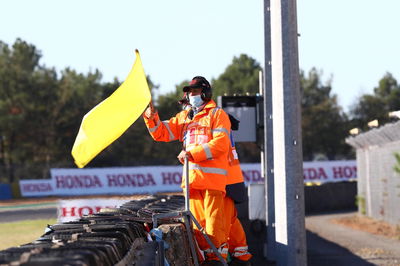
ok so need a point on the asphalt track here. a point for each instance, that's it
(24, 213)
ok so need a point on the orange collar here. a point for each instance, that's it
(209, 105)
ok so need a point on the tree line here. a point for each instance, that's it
(41, 110)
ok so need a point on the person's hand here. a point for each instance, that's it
(183, 154)
(150, 111)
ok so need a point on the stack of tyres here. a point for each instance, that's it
(118, 236)
(79, 244)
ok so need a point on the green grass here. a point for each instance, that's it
(23, 232)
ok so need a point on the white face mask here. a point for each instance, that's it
(196, 101)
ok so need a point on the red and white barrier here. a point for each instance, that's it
(70, 210)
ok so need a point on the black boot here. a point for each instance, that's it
(212, 263)
(237, 262)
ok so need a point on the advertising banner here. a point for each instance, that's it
(329, 171)
(117, 180)
(36, 187)
(71, 210)
(155, 179)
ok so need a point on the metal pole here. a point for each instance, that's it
(288, 160)
(268, 137)
(186, 175)
(186, 220)
(203, 231)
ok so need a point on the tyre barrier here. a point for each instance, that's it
(113, 236)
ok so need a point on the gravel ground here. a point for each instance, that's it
(334, 244)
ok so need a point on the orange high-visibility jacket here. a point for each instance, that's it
(206, 136)
(235, 174)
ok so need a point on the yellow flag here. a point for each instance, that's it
(108, 120)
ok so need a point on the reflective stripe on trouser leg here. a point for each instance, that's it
(242, 253)
(237, 241)
(223, 250)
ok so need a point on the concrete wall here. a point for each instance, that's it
(378, 183)
(379, 186)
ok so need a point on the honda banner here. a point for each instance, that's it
(154, 179)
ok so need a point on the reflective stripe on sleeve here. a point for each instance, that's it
(151, 130)
(171, 135)
(208, 170)
(207, 151)
(217, 130)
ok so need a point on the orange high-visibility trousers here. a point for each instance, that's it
(235, 234)
(207, 206)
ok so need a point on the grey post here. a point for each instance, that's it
(268, 138)
(290, 244)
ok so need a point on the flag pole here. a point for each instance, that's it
(186, 174)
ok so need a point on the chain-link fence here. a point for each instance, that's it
(378, 183)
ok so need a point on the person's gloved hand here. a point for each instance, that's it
(183, 154)
(150, 112)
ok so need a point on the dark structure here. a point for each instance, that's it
(119, 236)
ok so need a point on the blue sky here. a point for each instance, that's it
(353, 42)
